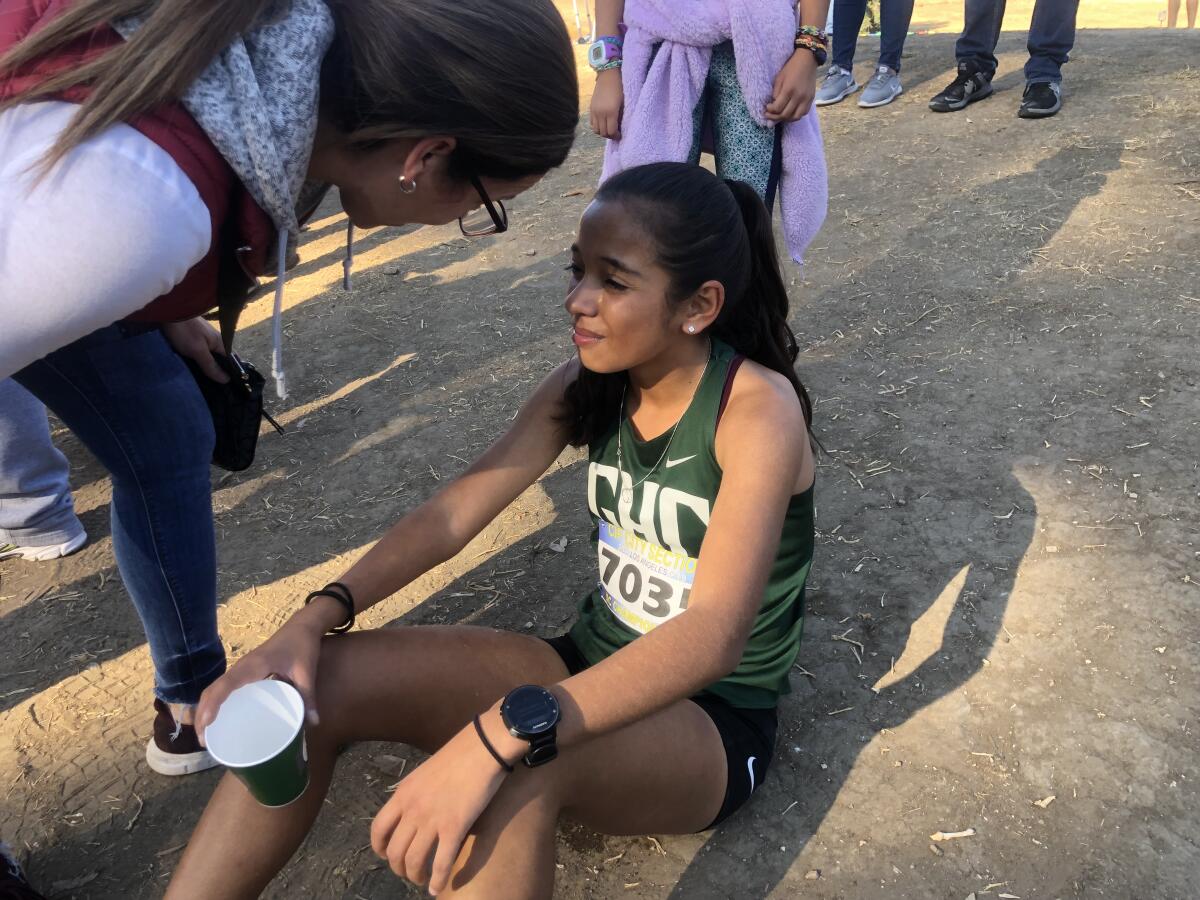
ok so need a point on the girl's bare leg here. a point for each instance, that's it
(416, 686)
(419, 686)
(663, 775)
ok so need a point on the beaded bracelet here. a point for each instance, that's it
(813, 31)
(814, 46)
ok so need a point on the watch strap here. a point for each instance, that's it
(542, 749)
(605, 52)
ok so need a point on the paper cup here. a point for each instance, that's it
(258, 735)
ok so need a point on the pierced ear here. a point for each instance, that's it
(423, 153)
(705, 306)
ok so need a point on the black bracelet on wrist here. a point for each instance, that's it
(342, 595)
(490, 749)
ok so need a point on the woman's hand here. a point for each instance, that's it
(196, 340)
(421, 829)
(607, 100)
(794, 89)
(290, 654)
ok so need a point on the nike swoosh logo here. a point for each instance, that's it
(750, 769)
(671, 463)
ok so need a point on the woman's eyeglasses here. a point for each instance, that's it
(491, 218)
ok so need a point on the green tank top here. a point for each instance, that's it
(648, 540)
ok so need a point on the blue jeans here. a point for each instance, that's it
(1051, 37)
(894, 19)
(131, 400)
(36, 508)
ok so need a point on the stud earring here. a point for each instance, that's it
(406, 186)
(691, 329)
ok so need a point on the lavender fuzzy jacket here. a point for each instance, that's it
(662, 89)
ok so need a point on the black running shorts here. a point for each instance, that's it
(748, 735)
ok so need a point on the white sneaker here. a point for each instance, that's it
(44, 552)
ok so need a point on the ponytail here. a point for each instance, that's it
(397, 69)
(703, 229)
(758, 327)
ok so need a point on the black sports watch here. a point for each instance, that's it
(531, 713)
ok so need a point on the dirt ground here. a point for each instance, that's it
(999, 325)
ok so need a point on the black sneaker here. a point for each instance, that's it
(13, 885)
(1040, 100)
(970, 85)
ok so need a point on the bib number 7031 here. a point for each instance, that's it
(638, 588)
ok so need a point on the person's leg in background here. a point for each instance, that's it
(884, 86)
(134, 403)
(839, 80)
(981, 32)
(743, 149)
(37, 514)
(975, 52)
(1173, 13)
(895, 17)
(1051, 37)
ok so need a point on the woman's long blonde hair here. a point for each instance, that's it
(498, 75)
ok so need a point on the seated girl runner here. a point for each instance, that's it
(657, 711)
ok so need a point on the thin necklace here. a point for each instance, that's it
(627, 489)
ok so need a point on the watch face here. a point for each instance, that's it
(597, 53)
(601, 52)
(530, 710)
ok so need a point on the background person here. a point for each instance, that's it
(37, 512)
(182, 158)
(1173, 13)
(1051, 37)
(884, 86)
(734, 76)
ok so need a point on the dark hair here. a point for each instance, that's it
(497, 75)
(703, 229)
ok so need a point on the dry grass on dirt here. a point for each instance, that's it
(999, 325)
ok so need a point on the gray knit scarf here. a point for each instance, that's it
(257, 101)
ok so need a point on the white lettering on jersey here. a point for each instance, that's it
(610, 474)
(667, 502)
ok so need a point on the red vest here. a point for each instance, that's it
(242, 234)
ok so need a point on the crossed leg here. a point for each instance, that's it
(419, 686)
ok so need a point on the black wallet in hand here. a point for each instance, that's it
(237, 410)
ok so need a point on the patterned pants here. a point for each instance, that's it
(743, 149)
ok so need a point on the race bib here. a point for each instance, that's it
(642, 583)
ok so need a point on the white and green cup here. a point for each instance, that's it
(258, 735)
